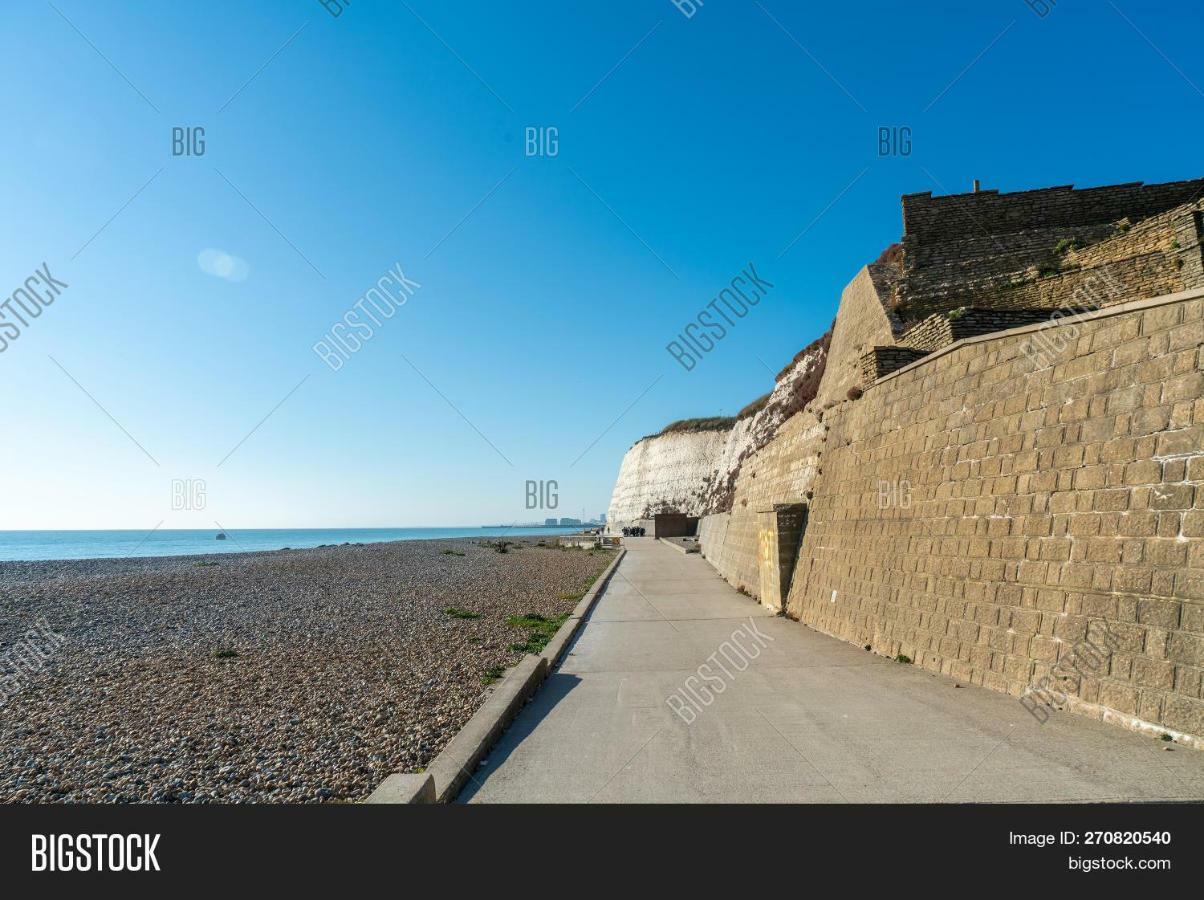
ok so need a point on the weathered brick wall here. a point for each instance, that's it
(980, 258)
(1014, 251)
(1153, 235)
(862, 323)
(793, 389)
(884, 360)
(1031, 504)
(1009, 496)
(942, 329)
(934, 219)
(1144, 276)
(780, 472)
(712, 539)
(928, 334)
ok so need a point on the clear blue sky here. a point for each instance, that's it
(712, 142)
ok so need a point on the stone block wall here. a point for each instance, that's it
(942, 329)
(936, 219)
(794, 388)
(1034, 501)
(779, 473)
(1037, 249)
(929, 334)
(863, 323)
(1171, 230)
(1017, 481)
(883, 360)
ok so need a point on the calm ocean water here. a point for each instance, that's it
(30, 545)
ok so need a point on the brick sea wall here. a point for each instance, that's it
(884, 360)
(1013, 483)
(862, 323)
(942, 329)
(781, 472)
(1033, 502)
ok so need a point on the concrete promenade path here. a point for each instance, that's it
(810, 719)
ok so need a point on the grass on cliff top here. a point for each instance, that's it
(753, 408)
(820, 344)
(804, 392)
(707, 423)
(694, 426)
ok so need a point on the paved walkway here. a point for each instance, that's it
(811, 719)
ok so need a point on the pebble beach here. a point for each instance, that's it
(300, 676)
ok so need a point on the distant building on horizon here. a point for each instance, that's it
(569, 523)
(550, 522)
(601, 518)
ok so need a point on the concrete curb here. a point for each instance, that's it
(680, 548)
(405, 789)
(458, 760)
(560, 642)
(455, 765)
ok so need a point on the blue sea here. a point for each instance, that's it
(32, 545)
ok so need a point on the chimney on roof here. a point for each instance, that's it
(976, 185)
